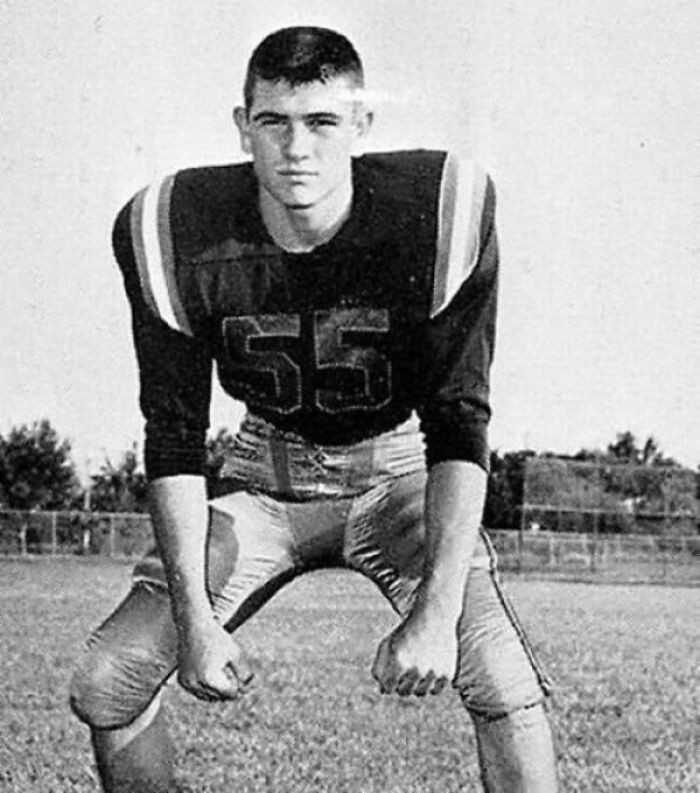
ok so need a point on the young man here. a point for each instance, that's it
(350, 303)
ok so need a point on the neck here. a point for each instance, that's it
(301, 229)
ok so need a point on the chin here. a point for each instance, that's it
(299, 202)
(299, 206)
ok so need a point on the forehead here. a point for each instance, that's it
(337, 95)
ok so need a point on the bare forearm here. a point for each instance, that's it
(179, 511)
(454, 505)
(210, 664)
(421, 654)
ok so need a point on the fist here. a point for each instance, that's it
(212, 666)
(416, 659)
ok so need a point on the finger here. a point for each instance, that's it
(406, 682)
(199, 690)
(218, 693)
(420, 689)
(242, 670)
(387, 682)
(227, 685)
(201, 694)
(438, 685)
(383, 668)
(219, 686)
(380, 661)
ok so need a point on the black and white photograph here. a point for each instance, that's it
(348, 397)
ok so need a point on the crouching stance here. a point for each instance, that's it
(349, 302)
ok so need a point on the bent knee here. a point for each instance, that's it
(494, 701)
(498, 670)
(106, 694)
(498, 681)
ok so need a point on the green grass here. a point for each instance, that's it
(622, 658)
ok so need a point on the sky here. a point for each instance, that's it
(587, 115)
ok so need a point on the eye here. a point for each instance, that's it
(322, 121)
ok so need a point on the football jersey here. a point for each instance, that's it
(394, 314)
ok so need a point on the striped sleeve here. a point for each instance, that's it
(461, 203)
(152, 241)
(174, 364)
(455, 408)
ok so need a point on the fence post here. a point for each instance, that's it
(54, 533)
(550, 540)
(23, 538)
(521, 539)
(664, 558)
(111, 535)
(594, 541)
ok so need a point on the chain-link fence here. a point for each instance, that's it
(629, 557)
(604, 498)
(74, 532)
(617, 557)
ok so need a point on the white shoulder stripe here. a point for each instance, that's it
(462, 193)
(157, 253)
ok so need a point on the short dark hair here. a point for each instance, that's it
(300, 55)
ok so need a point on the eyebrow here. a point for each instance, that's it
(271, 115)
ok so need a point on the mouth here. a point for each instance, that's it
(294, 174)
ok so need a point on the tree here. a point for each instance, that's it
(218, 448)
(121, 487)
(626, 450)
(36, 470)
(124, 488)
(504, 496)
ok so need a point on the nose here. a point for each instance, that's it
(297, 141)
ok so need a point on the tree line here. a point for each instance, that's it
(37, 471)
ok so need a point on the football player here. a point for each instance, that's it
(349, 302)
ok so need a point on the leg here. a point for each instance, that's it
(503, 688)
(116, 687)
(516, 753)
(498, 678)
(137, 758)
(116, 692)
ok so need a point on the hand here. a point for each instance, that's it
(211, 664)
(419, 657)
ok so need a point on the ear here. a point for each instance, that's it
(363, 121)
(240, 117)
(363, 124)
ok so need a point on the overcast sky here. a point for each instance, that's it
(587, 115)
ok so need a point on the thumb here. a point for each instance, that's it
(240, 665)
(383, 667)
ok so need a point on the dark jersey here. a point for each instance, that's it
(396, 313)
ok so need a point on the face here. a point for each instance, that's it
(302, 138)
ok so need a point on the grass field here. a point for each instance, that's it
(624, 660)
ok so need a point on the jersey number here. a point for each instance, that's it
(270, 359)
